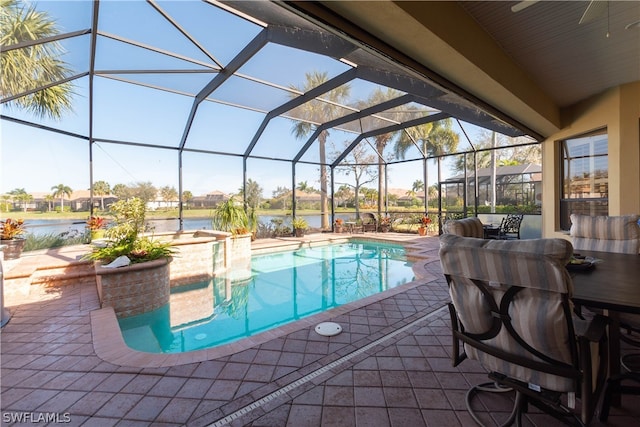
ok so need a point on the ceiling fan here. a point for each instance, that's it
(594, 9)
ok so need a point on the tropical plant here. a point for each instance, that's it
(101, 189)
(252, 195)
(299, 223)
(96, 223)
(229, 216)
(30, 68)
(61, 190)
(11, 228)
(125, 236)
(318, 110)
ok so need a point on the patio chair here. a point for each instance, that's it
(511, 310)
(620, 234)
(466, 227)
(630, 333)
(510, 227)
(369, 222)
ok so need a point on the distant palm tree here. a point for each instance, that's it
(436, 139)
(417, 185)
(49, 199)
(6, 198)
(101, 189)
(319, 111)
(377, 97)
(61, 191)
(29, 68)
(21, 196)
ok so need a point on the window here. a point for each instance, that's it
(585, 177)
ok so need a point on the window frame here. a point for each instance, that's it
(590, 205)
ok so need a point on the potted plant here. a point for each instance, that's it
(125, 236)
(299, 225)
(229, 216)
(96, 226)
(424, 222)
(339, 225)
(132, 269)
(11, 231)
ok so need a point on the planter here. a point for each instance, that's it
(299, 232)
(135, 289)
(339, 229)
(97, 234)
(13, 248)
(422, 231)
(384, 228)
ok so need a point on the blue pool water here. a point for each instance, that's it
(283, 287)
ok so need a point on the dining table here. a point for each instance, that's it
(609, 282)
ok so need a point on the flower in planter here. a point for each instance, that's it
(11, 228)
(96, 223)
(339, 222)
(385, 220)
(125, 236)
(425, 220)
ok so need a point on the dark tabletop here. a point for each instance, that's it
(613, 283)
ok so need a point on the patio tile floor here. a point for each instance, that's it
(389, 367)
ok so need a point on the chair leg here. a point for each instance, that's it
(494, 387)
(615, 386)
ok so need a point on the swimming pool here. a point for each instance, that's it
(281, 288)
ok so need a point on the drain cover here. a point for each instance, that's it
(328, 329)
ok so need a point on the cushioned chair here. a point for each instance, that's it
(369, 222)
(466, 227)
(511, 310)
(613, 234)
(619, 234)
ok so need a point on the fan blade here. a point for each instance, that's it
(523, 5)
(593, 10)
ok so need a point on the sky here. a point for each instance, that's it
(36, 160)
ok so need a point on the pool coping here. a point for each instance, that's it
(109, 344)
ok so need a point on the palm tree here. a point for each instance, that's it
(6, 198)
(319, 110)
(49, 199)
(417, 186)
(29, 68)
(101, 189)
(61, 190)
(436, 139)
(377, 97)
(21, 196)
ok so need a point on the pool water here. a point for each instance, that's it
(282, 287)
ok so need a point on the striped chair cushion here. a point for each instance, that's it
(466, 227)
(606, 233)
(537, 312)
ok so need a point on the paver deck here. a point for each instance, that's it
(389, 367)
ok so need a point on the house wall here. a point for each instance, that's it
(617, 110)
